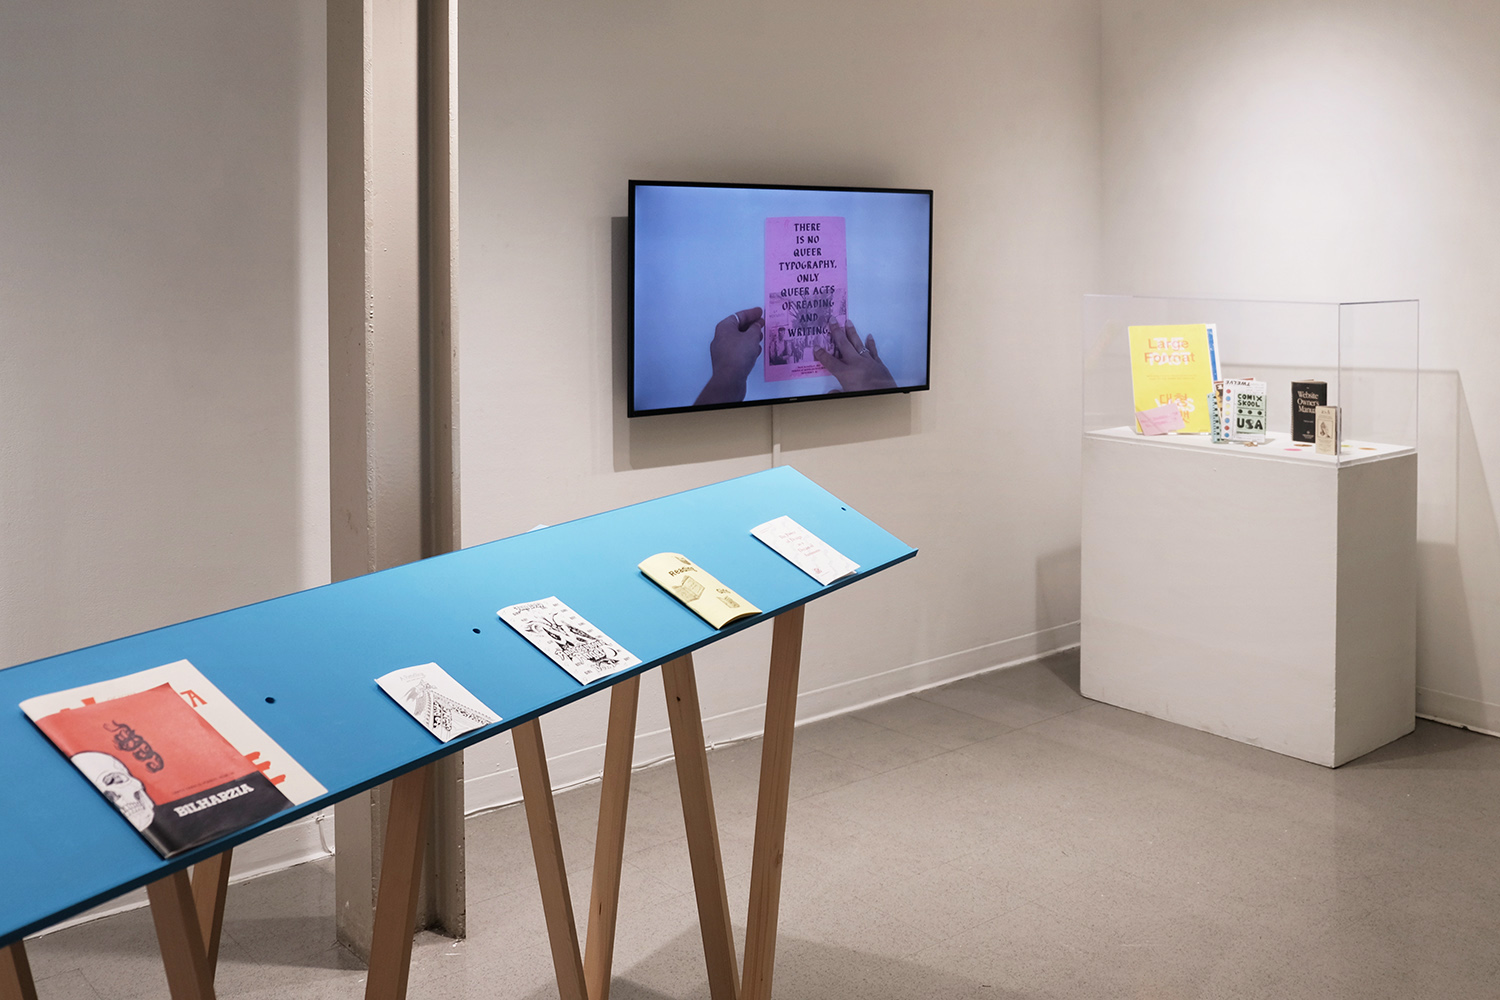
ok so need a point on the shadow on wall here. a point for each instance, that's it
(1458, 565)
(1058, 577)
(713, 435)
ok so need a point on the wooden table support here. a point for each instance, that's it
(686, 718)
(568, 559)
(585, 975)
(189, 915)
(590, 979)
(770, 811)
(189, 918)
(609, 844)
(551, 871)
(180, 937)
(15, 973)
(210, 888)
(400, 878)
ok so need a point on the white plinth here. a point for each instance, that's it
(1264, 594)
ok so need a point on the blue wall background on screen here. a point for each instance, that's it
(700, 255)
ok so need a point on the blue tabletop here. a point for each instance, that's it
(317, 654)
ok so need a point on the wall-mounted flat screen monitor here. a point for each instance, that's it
(746, 294)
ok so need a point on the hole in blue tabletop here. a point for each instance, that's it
(270, 700)
(476, 631)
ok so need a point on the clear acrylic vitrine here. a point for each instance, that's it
(1366, 353)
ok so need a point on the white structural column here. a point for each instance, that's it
(438, 230)
(437, 141)
(390, 370)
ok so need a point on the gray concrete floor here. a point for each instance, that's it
(1001, 837)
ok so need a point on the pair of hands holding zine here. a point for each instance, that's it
(736, 346)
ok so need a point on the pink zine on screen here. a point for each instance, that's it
(806, 288)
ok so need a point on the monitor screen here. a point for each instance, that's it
(751, 294)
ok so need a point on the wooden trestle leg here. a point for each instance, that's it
(578, 979)
(189, 918)
(551, 871)
(180, 937)
(15, 973)
(210, 888)
(686, 718)
(400, 878)
(609, 845)
(770, 814)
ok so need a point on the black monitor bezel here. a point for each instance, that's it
(630, 407)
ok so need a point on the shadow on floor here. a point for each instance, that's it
(1431, 746)
(805, 970)
(1064, 666)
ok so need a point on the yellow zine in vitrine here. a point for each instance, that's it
(1175, 364)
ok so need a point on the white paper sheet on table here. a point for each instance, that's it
(432, 697)
(806, 551)
(568, 639)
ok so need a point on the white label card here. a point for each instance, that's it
(436, 700)
(805, 550)
(568, 639)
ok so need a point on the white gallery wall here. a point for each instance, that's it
(1335, 150)
(163, 382)
(994, 106)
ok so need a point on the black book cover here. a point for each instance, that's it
(1307, 396)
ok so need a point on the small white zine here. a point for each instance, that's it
(568, 639)
(805, 550)
(436, 700)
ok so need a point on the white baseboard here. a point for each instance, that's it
(1454, 710)
(584, 764)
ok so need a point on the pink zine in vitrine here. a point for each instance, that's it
(806, 289)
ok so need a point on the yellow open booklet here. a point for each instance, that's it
(693, 586)
(1175, 364)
